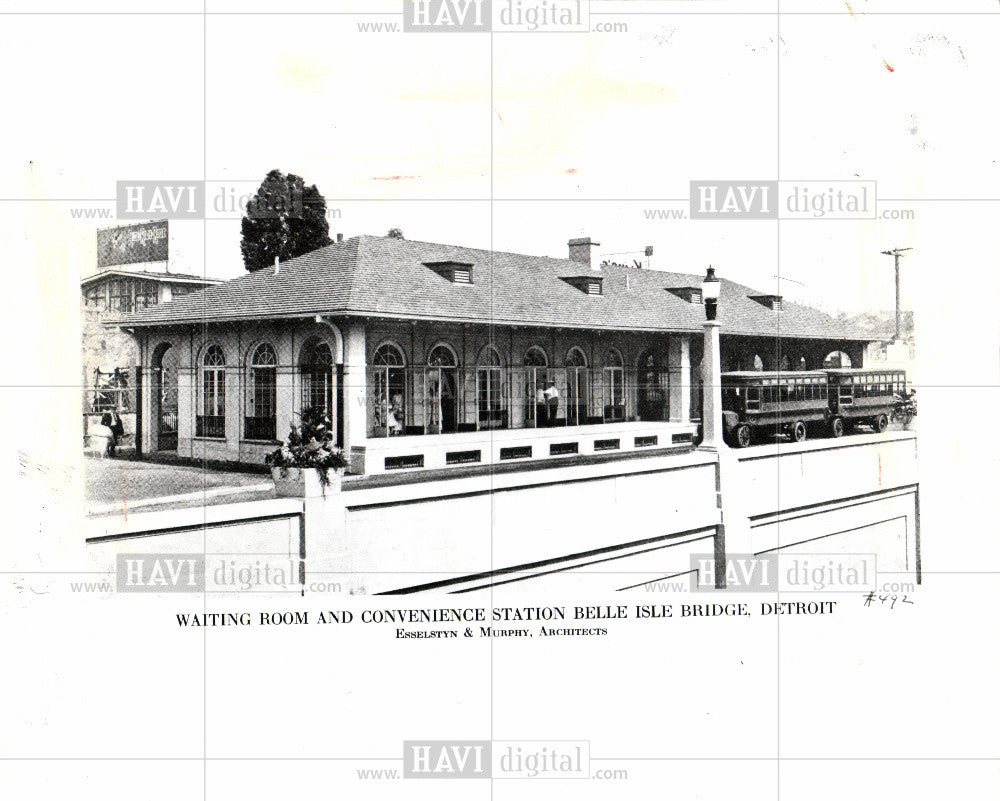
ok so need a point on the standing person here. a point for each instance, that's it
(117, 428)
(551, 402)
(397, 415)
(541, 410)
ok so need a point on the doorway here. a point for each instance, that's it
(164, 394)
(652, 389)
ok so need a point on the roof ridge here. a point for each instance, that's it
(354, 242)
(463, 247)
(564, 260)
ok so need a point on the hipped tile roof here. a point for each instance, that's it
(373, 276)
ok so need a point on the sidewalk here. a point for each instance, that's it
(114, 486)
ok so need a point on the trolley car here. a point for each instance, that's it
(803, 402)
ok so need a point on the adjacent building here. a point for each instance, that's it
(133, 274)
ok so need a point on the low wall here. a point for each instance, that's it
(249, 452)
(859, 492)
(600, 524)
(509, 445)
(239, 541)
(441, 532)
(638, 517)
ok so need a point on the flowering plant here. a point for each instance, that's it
(309, 445)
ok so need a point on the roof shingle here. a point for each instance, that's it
(389, 277)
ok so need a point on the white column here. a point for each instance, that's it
(234, 409)
(185, 410)
(283, 416)
(679, 365)
(355, 395)
(146, 410)
(711, 417)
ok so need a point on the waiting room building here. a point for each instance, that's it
(428, 355)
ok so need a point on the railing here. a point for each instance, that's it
(109, 392)
(210, 426)
(260, 428)
(406, 401)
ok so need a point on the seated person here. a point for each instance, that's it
(101, 438)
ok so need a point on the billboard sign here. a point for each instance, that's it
(132, 244)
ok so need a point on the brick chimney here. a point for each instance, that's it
(581, 250)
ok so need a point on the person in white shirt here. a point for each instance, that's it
(541, 415)
(551, 401)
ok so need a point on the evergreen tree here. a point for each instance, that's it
(284, 219)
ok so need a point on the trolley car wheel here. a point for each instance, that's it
(837, 427)
(799, 431)
(743, 436)
(881, 423)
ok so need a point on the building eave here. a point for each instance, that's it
(513, 323)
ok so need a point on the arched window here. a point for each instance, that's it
(490, 390)
(388, 355)
(211, 420)
(614, 385)
(316, 370)
(262, 394)
(577, 386)
(576, 358)
(801, 363)
(785, 364)
(442, 356)
(535, 357)
(535, 376)
(388, 391)
(441, 401)
(758, 363)
(836, 359)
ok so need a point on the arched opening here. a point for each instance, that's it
(388, 391)
(164, 412)
(536, 374)
(577, 387)
(211, 418)
(652, 388)
(491, 398)
(835, 359)
(316, 372)
(318, 383)
(785, 364)
(758, 363)
(260, 422)
(442, 390)
(614, 386)
(801, 363)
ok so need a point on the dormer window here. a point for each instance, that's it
(692, 294)
(772, 302)
(588, 284)
(457, 272)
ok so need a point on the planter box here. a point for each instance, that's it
(304, 482)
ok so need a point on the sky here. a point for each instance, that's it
(564, 135)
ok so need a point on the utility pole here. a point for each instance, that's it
(897, 253)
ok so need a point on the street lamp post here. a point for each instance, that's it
(711, 416)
